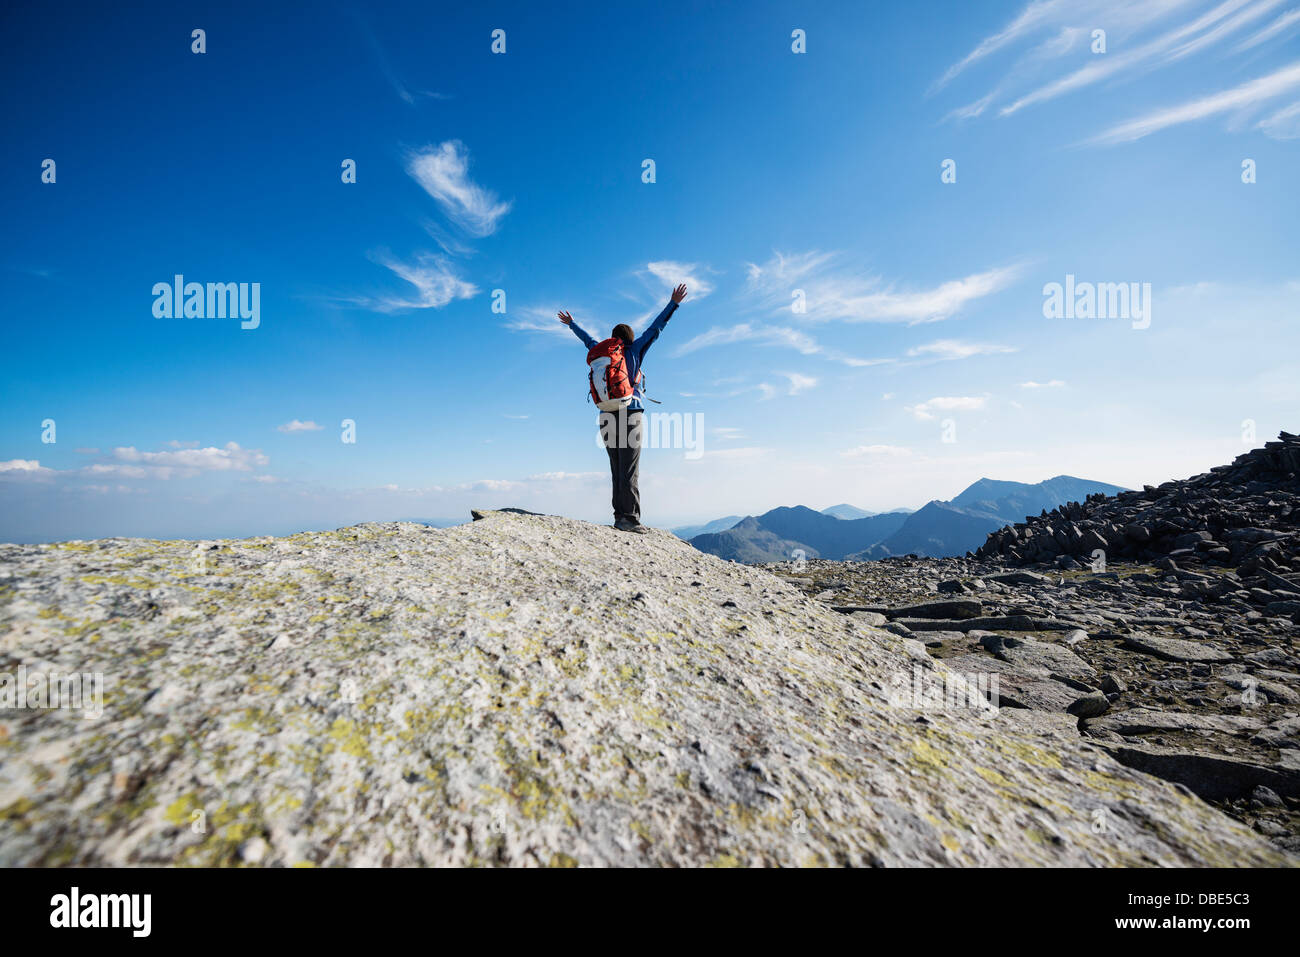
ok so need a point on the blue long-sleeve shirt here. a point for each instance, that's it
(634, 355)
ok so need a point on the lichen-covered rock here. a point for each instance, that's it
(524, 690)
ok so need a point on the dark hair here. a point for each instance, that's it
(623, 331)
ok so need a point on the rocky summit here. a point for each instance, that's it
(531, 690)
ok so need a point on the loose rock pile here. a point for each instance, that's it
(1244, 516)
(1163, 622)
(1137, 660)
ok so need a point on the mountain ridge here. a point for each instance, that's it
(939, 528)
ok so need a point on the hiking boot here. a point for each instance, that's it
(629, 525)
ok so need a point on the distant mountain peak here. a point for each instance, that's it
(846, 511)
(939, 528)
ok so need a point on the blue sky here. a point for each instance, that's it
(922, 360)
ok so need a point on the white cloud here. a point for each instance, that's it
(745, 452)
(748, 332)
(32, 466)
(887, 451)
(971, 110)
(133, 463)
(833, 291)
(297, 426)
(1231, 25)
(1240, 97)
(957, 349)
(567, 476)
(1282, 23)
(799, 383)
(175, 444)
(795, 339)
(434, 279)
(1053, 384)
(1284, 124)
(670, 273)
(958, 403)
(1029, 19)
(1103, 67)
(543, 319)
(1064, 26)
(728, 433)
(443, 171)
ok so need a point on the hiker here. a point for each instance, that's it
(617, 388)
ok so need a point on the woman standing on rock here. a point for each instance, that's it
(617, 388)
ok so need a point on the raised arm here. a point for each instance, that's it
(644, 340)
(578, 331)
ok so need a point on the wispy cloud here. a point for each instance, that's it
(670, 273)
(434, 278)
(745, 452)
(957, 349)
(230, 457)
(883, 451)
(749, 332)
(799, 383)
(443, 172)
(1025, 82)
(956, 403)
(1283, 23)
(298, 426)
(1112, 64)
(1231, 25)
(770, 335)
(1284, 124)
(128, 462)
(1034, 16)
(545, 319)
(1246, 95)
(1053, 384)
(833, 291)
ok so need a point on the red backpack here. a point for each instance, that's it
(611, 389)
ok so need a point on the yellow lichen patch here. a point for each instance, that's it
(15, 813)
(993, 777)
(180, 812)
(928, 756)
(347, 738)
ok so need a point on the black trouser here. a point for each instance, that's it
(620, 432)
